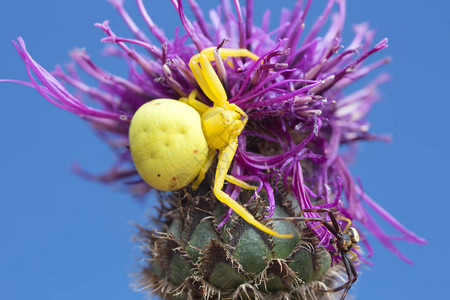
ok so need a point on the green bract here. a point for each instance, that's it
(190, 259)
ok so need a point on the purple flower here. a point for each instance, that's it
(295, 93)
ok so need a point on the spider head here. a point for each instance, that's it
(354, 235)
(220, 126)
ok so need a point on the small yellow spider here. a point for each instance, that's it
(173, 142)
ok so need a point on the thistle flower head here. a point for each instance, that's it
(294, 95)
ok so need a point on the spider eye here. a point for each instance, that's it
(354, 235)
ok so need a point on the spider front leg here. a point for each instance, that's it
(225, 158)
(334, 230)
(206, 76)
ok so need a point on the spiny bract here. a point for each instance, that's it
(189, 259)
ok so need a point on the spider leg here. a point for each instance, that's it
(305, 219)
(227, 52)
(351, 273)
(241, 183)
(192, 101)
(204, 169)
(215, 93)
(213, 81)
(348, 223)
(206, 76)
(337, 228)
(353, 254)
(225, 158)
(241, 112)
(329, 223)
(352, 276)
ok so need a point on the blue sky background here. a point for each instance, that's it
(62, 237)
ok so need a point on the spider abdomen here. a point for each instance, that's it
(167, 143)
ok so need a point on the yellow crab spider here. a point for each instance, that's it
(173, 142)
